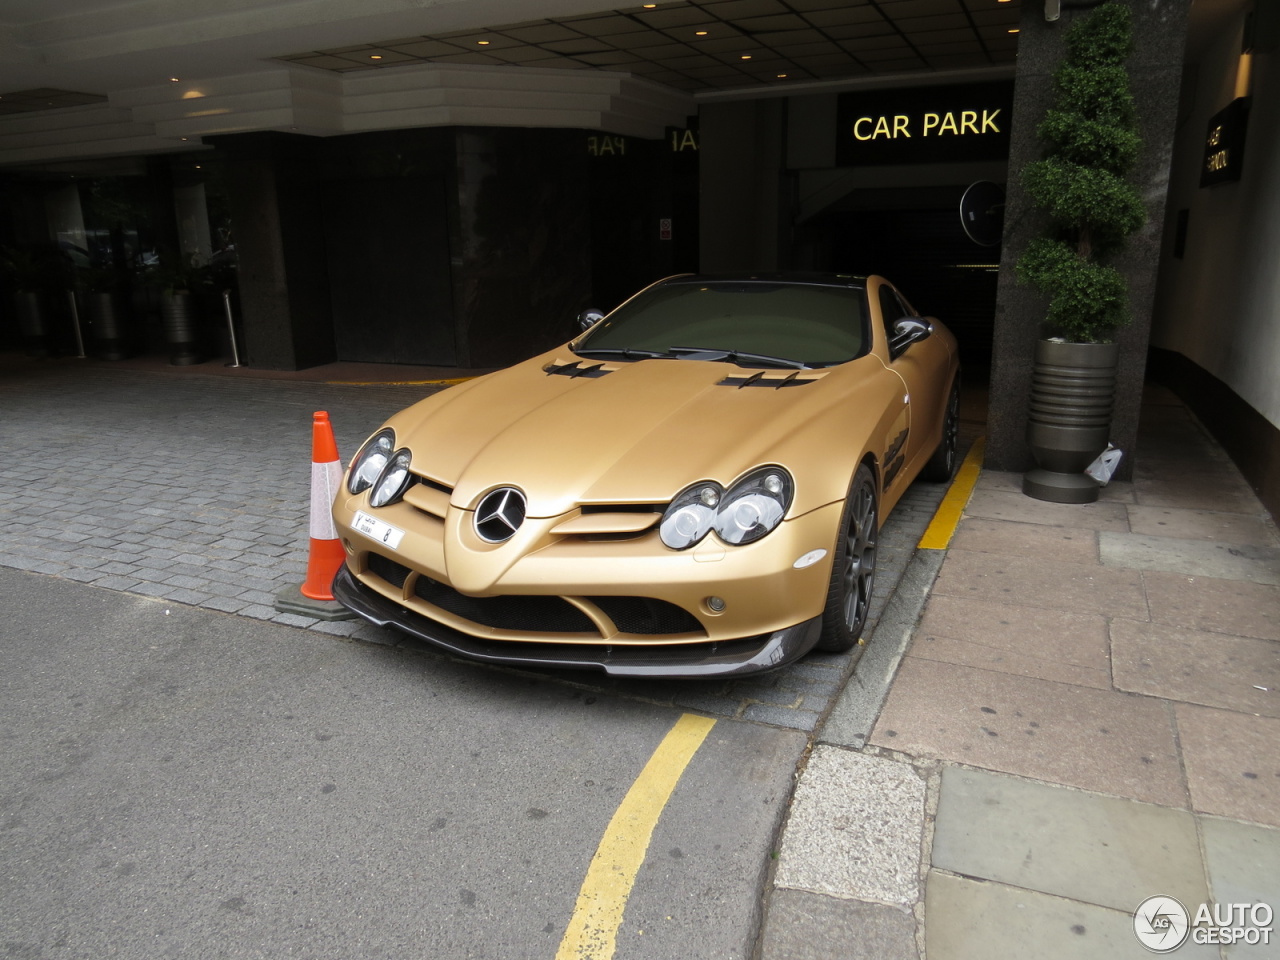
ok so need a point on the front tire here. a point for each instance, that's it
(853, 569)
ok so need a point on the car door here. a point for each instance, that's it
(922, 367)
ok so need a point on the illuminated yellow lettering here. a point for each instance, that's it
(989, 121)
(593, 146)
(688, 141)
(1215, 137)
(1218, 161)
(948, 123)
(882, 127)
(900, 126)
(969, 121)
(857, 128)
(930, 121)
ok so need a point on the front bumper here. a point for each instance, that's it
(725, 659)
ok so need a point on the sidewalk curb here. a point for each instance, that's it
(850, 721)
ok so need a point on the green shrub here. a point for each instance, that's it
(1091, 143)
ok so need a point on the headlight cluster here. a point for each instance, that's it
(380, 466)
(747, 511)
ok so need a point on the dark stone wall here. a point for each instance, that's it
(1160, 29)
(284, 293)
(522, 261)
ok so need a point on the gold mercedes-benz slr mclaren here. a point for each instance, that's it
(692, 487)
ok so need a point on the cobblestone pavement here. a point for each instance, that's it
(195, 489)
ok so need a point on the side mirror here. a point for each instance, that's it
(588, 317)
(907, 331)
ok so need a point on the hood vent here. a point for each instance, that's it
(760, 380)
(576, 369)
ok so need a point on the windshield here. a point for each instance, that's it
(748, 322)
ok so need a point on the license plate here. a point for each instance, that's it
(376, 529)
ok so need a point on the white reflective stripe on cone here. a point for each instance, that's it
(325, 480)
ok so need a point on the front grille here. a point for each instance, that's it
(539, 613)
(390, 571)
(643, 615)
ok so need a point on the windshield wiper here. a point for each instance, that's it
(627, 353)
(739, 357)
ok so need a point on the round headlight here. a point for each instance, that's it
(690, 516)
(754, 505)
(393, 481)
(370, 461)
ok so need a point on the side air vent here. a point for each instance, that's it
(760, 380)
(576, 369)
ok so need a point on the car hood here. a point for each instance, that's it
(568, 431)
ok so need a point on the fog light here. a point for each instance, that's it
(715, 604)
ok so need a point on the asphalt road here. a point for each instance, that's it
(178, 782)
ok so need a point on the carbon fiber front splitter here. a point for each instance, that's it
(733, 658)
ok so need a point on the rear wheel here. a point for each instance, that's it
(853, 570)
(942, 465)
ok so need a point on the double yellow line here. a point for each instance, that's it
(593, 928)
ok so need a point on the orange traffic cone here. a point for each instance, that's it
(326, 474)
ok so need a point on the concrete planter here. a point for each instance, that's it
(180, 313)
(1073, 389)
(108, 322)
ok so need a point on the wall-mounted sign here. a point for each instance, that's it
(679, 140)
(1224, 144)
(924, 125)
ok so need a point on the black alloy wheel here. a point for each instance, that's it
(853, 569)
(942, 465)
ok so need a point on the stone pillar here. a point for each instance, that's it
(280, 252)
(1159, 30)
(740, 169)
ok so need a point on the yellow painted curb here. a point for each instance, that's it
(947, 517)
(593, 929)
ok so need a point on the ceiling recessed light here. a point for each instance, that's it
(649, 6)
(1014, 30)
(746, 56)
(483, 43)
(173, 79)
(700, 33)
(782, 76)
(375, 56)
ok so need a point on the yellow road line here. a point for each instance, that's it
(943, 525)
(593, 929)
(397, 383)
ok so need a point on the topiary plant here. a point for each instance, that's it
(1091, 144)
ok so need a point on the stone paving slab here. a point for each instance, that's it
(994, 503)
(1233, 767)
(1211, 669)
(1211, 525)
(1030, 642)
(1099, 740)
(855, 829)
(1021, 539)
(810, 926)
(973, 920)
(1243, 861)
(1192, 557)
(1082, 846)
(1043, 582)
(1233, 607)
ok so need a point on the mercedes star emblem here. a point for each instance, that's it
(499, 515)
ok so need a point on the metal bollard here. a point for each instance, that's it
(231, 328)
(75, 321)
